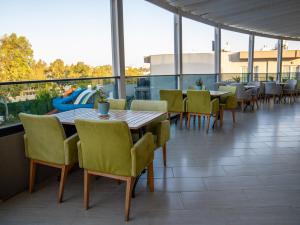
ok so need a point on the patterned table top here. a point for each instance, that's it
(134, 119)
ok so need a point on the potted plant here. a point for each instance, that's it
(237, 79)
(199, 84)
(103, 104)
(271, 78)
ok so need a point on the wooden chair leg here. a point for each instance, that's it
(189, 120)
(194, 121)
(86, 187)
(150, 177)
(233, 116)
(181, 115)
(32, 172)
(208, 123)
(164, 150)
(129, 185)
(221, 117)
(63, 177)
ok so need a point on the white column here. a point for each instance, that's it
(178, 48)
(251, 56)
(279, 59)
(217, 49)
(117, 40)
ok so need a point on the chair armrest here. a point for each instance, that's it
(163, 132)
(79, 154)
(185, 104)
(231, 102)
(26, 145)
(214, 105)
(70, 147)
(142, 154)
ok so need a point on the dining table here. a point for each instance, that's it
(135, 119)
(247, 87)
(214, 94)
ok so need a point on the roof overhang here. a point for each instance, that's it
(278, 19)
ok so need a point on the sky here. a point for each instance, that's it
(79, 30)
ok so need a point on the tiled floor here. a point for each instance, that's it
(248, 174)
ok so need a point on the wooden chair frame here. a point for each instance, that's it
(180, 115)
(129, 186)
(222, 115)
(64, 173)
(208, 115)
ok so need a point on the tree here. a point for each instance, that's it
(80, 70)
(39, 70)
(101, 71)
(16, 58)
(56, 69)
(133, 71)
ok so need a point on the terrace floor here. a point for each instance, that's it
(248, 174)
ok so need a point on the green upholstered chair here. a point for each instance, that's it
(228, 102)
(106, 149)
(114, 104)
(175, 102)
(199, 103)
(46, 144)
(160, 128)
(117, 104)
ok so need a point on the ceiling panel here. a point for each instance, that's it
(271, 18)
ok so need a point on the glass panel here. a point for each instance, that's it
(55, 39)
(265, 58)
(149, 43)
(209, 80)
(234, 56)
(290, 60)
(198, 57)
(38, 98)
(148, 87)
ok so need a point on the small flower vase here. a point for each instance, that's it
(198, 87)
(103, 108)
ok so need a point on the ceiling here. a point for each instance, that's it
(270, 18)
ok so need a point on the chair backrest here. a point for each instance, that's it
(298, 85)
(292, 84)
(174, 99)
(117, 104)
(44, 138)
(270, 88)
(149, 105)
(240, 90)
(231, 89)
(105, 146)
(198, 101)
(254, 83)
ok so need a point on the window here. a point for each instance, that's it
(234, 55)
(149, 44)
(63, 38)
(265, 56)
(198, 57)
(291, 60)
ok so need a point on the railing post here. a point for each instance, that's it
(251, 57)
(117, 41)
(217, 49)
(178, 49)
(279, 59)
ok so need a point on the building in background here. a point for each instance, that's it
(203, 63)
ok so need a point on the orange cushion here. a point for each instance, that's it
(68, 92)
